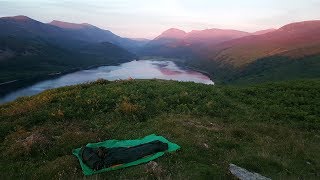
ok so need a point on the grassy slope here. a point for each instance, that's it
(278, 68)
(273, 68)
(272, 129)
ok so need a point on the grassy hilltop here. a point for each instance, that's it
(272, 129)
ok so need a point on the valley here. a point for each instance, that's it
(226, 96)
(230, 56)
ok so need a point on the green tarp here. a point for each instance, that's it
(125, 143)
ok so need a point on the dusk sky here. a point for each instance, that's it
(148, 18)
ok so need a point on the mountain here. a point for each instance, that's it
(213, 36)
(291, 52)
(169, 38)
(63, 33)
(172, 33)
(263, 31)
(31, 49)
(293, 40)
(237, 47)
(175, 42)
(90, 33)
(169, 43)
(67, 25)
(25, 27)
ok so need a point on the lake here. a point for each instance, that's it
(142, 69)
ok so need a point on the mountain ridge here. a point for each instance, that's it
(176, 42)
(172, 33)
(288, 38)
(265, 31)
(68, 25)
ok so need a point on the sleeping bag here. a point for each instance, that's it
(116, 154)
(98, 158)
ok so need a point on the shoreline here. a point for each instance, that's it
(201, 71)
(188, 67)
(14, 85)
(8, 82)
(181, 63)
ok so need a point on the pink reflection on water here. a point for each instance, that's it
(169, 72)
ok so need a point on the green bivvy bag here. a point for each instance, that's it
(125, 143)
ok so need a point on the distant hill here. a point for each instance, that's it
(90, 33)
(173, 33)
(213, 36)
(29, 48)
(63, 33)
(25, 27)
(263, 31)
(178, 43)
(169, 43)
(87, 32)
(67, 25)
(290, 52)
(236, 47)
(293, 40)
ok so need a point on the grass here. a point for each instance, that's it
(272, 129)
(278, 69)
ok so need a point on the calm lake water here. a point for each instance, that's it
(143, 69)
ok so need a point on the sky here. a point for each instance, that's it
(148, 18)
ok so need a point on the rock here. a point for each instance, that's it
(151, 166)
(244, 174)
(154, 168)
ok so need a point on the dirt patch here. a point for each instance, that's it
(22, 143)
(32, 139)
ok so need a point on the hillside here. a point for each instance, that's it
(236, 57)
(213, 36)
(268, 69)
(28, 57)
(272, 129)
(294, 40)
(22, 58)
(238, 48)
(89, 33)
(31, 50)
(291, 52)
(264, 31)
(35, 60)
(64, 34)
